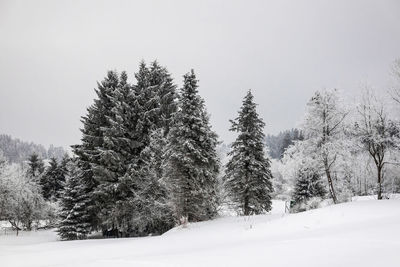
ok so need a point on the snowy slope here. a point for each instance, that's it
(364, 233)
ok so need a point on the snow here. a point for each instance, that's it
(374, 197)
(360, 233)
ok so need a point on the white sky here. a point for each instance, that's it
(53, 52)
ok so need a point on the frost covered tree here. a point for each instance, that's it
(308, 185)
(3, 188)
(92, 138)
(161, 81)
(36, 166)
(153, 209)
(117, 128)
(192, 163)
(122, 143)
(277, 144)
(21, 202)
(121, 170)
(247, 175)
(74, 218)
(377, 134)
(53, 178)
(324, 133)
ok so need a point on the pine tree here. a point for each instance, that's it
(308, 185)
(117, 129)
(117, 154)
(92, 138)
(154, 211)
(192, 164)
(74, 217)
(121, 166)
(36, 166)
(248, 176)
(161, 81)
(52, 180)
(148, 103)
(63, 173)
(286, 142)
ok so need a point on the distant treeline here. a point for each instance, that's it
(17, 151)
(277, 144)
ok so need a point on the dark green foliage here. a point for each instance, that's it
(161, 81)
(92, 138)
(154, 212)
(52, 180)
(192, 164)
(118, 165)
(308, 185)
(123, 141)
(277, 144)
(36, 166)
(74, 218)
(18, 151)
(248, 176)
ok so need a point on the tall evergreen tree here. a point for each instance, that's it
(36, 166)
(116, 131)
(161, 81)
(148, 101)
(154, 211)
(248, 176)
(92, 138)
(192, 164)
(122, 167)
(52, 180)
(74, 218)
(123, 142)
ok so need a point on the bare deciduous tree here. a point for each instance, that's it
(376, 133)
(323, 128)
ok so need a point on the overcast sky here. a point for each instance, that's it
(53, 52)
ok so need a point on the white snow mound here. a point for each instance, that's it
(365, 233)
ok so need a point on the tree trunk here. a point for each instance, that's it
(379, 182)
(330, 183)
(15, 226)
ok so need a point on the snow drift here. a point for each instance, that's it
(364, 233)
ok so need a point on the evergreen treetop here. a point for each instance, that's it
(192, 163)
(248, 176)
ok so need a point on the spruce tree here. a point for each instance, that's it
(119, 154)
(161, 81)
(117, 129)
(192, 164)
(122, 167)
(35, 166)
(92, 138)
(52, 180)
(74, 218)
(148, 101)
(154, 211)
(248, 176)
(308, 185)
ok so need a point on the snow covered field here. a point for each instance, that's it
(364, 233)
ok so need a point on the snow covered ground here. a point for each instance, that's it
(362, 233)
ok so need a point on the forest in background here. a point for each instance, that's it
(18, 151)
(149, 159)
